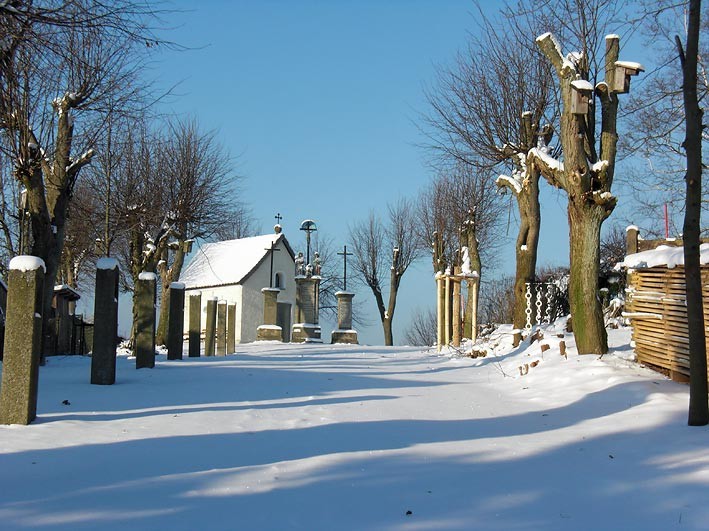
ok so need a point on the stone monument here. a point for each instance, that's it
(144, 301)
(23, 333)
(344, 332)
(194, 333)
(269, 330)
(176, 321)
(103, 357)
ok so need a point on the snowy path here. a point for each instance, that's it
(323, 437)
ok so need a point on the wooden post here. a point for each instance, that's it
(440, 310)
(455, 318)
(474, 317)
(448, 310)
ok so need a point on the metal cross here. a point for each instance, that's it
(278, 218)
(271, 250)
(344, 254)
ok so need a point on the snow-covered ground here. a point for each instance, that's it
(349, 437)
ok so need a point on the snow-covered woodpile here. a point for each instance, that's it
(655, 304)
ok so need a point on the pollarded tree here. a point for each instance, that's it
(585, 174)
(59, 66)
(372, 242)
(460, 208)
(485, 113)
(200, 193)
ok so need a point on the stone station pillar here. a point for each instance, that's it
(344, 332)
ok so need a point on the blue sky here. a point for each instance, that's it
(318, 101)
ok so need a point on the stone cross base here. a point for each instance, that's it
(345, 336)
(306, 333)
(269, 333)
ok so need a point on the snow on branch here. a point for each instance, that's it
(551, 168)
(79, 163)
(552, 49)
(509, 182)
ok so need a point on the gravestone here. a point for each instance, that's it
(195, 325)
(211, 327)
(176, 321)
(221, 328)
(344, 332)
(269, 330)
(144, 301)
(23, 334)
(103, 356)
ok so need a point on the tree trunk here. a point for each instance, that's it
(527, 243)
(698, 393)
(585, 238)
(473, 290)
(167, 277)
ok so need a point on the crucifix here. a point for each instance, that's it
(278, 218)
(344, 254)
(271, 251)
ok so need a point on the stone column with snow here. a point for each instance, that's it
(306, 301)
(269, 330)
(144, 299)
(176, 321)
(194, 332)
(23, 335)
(103, 356)
(231, 328)
(221, 328)
(210, 327)
(344, 332)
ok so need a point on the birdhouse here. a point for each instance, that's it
(581, 92)
(623, 71)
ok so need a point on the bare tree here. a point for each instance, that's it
(199, 182)
(422, 328)
(486, 112)
(689, 53)
(587, 170)
(372, 242)
(461, 208)
(59, 67)
(657, 111)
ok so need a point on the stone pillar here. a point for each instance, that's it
(144, 300)
(194, 333)
(221, 328)
(269, 330)
(455, 318)
(23, 335)
(231, 328)
(306, 327)
(440, 311)
(344, 332)
(211, 327)
(103, 356)
(176, 321)
(631, 239)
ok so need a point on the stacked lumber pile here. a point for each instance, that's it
(656, 305)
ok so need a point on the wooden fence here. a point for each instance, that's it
(656, 305)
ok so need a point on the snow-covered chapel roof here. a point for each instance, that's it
(230, 261)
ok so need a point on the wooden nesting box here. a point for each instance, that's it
(581, 93)
(623, 72)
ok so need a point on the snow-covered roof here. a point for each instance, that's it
(228, 262)
(664, 255)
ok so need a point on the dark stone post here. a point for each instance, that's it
(231, 329)
(103, 357)
(221, 328)
(144, 299)
(211, 327)
(176, 321)
(23, 334)
(195, 325)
